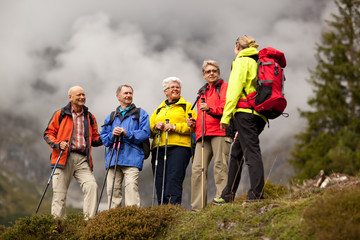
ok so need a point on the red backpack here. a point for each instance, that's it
(268, 99)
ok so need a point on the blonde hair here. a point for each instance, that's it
(212, 63)
(246, 41)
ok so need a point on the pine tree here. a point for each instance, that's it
(331, 140)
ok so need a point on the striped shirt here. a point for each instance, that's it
(77, 139)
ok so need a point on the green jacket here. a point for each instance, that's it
(242, 76)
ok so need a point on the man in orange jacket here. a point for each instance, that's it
(73, 130)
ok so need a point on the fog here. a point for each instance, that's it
(47, 46)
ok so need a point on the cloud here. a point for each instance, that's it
(48, 46)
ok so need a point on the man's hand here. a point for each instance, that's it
(63, 145)
(118, 131)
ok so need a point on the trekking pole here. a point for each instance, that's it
(202, 155)
(267, 179)
(191, 141)
(232, 192)
(156, 164)
(164, 169)
(50, 178)
(107, 171)
(116, 160)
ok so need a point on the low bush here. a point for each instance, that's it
(335, 215)
(46, 227)
(132, 222)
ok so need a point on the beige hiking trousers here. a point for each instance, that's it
(131, 188)
(219, 148)
(78, 167)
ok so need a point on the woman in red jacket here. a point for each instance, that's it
(216, 142)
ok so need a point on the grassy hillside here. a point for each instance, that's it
(18, 198)
(305, 212)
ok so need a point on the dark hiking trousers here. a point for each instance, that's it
(247, 145)
(234, 175)
(177, 161)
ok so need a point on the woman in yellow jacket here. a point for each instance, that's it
(249, 123)
(177, 136)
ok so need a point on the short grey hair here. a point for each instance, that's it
(167, 81)
(118, 90)
(72, 88)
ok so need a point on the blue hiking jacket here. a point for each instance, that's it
(131, 153)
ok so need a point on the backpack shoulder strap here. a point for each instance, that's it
(218, 88)
(137, 114)
(91, 119)
(112, 118)
(62, 115)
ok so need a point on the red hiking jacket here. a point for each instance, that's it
(216, 102)
(56, 133)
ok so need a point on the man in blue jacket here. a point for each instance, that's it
(131, 125)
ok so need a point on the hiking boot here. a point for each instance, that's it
(218, 201)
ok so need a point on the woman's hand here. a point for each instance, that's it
(191, 122)
(204, 107)
(159, 126)
(224, 126)
(169, 127)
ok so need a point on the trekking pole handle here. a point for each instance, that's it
(202, 100)
(167, 121)
(57, 162)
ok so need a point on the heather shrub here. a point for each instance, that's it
(336, 215)
(35, 227)
(2, 229)
(46, 227)
(132, 222)
(272, 191)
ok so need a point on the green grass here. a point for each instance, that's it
(332, 213)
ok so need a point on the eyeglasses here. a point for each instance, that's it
(211, 71)
(173, 87)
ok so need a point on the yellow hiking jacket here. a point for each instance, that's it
(177, 114)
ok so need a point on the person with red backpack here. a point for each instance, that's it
(248, 122)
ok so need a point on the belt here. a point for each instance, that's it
(78, 152)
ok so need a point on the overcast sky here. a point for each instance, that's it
(47, 46)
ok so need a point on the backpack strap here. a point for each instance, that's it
(62, 115)
(137, 114)
(112, 118)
